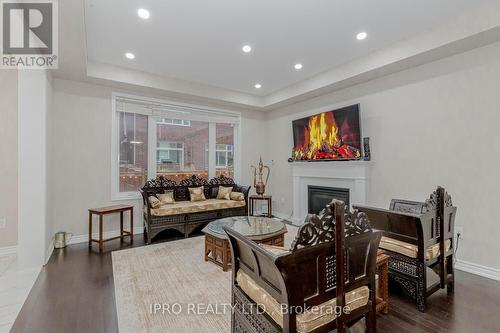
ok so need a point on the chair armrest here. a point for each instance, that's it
(146, 203)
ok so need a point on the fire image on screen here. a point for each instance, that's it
(332, 135)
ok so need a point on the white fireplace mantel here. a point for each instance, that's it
(352, 175)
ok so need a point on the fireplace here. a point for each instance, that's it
(351, 175)
(319, 196)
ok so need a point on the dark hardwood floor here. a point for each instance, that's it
(75, 293)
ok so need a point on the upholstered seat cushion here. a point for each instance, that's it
(183, 207)
(275, 250)
(308, 320)
(411, 250)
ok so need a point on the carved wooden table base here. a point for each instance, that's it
(218, 251)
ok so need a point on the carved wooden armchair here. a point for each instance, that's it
(325, 281)
(418, 236)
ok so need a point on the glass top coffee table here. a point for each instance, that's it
(260, 229)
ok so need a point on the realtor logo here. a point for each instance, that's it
(29, 34)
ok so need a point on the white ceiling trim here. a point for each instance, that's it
(472, 30)
(134, 77)
(475, 29)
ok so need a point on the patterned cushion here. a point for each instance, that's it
(155, 203)
(166, 198)
(311, 319)
(238, 196)
(183, 207)
(224, 193)
(196, 193)
(411, 250)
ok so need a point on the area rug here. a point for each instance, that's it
(169, 287)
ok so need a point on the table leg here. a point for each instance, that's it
(131, 225)
(385, 287)
(90, 229)
(225, 260)
(101, 241)
(270, 208)
(121, 227)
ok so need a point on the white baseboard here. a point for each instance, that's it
(107, 234)
(484, 271)
(8, 250)
(50, 249)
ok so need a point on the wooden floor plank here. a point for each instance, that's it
(75, 293)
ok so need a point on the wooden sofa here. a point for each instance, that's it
(325, 281)
(418, 236)
(184, 215)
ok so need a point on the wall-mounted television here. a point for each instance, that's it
(331, 135)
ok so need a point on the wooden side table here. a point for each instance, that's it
(106, 211)
(383, 282)
(251, 204)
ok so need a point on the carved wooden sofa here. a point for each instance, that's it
(325, 281)
(184, 215)
(418, 236)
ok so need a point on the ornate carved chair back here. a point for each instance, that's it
(440, 202)
(351, 258)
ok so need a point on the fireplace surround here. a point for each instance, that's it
(350, 175)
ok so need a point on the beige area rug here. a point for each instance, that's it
(190, 295)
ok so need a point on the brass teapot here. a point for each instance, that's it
(260, 185)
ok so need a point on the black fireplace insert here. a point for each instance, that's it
(320, 196)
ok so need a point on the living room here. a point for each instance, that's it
(232, 113)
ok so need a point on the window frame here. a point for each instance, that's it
(171, 110)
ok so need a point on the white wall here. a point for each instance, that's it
(34, 92)
(437, 124)
(80, 170)
(8, 156)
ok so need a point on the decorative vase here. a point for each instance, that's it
(258, 182)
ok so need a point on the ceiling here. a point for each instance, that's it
(200, 41)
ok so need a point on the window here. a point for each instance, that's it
(170, 155)
(224, 155)
(224, 150)
(133, 151)
(182, 150)
(176, 122)
(153, 137)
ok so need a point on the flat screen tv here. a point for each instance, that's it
(331, 135)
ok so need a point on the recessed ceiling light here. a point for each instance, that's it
(258, 86)
(143, 13)
(361, 35)
(246, 48)
(129, 55)
(298, 67)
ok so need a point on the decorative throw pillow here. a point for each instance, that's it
(155, 203)
(167, 198)
(196, 193)
(237, 196)
(224, 193)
